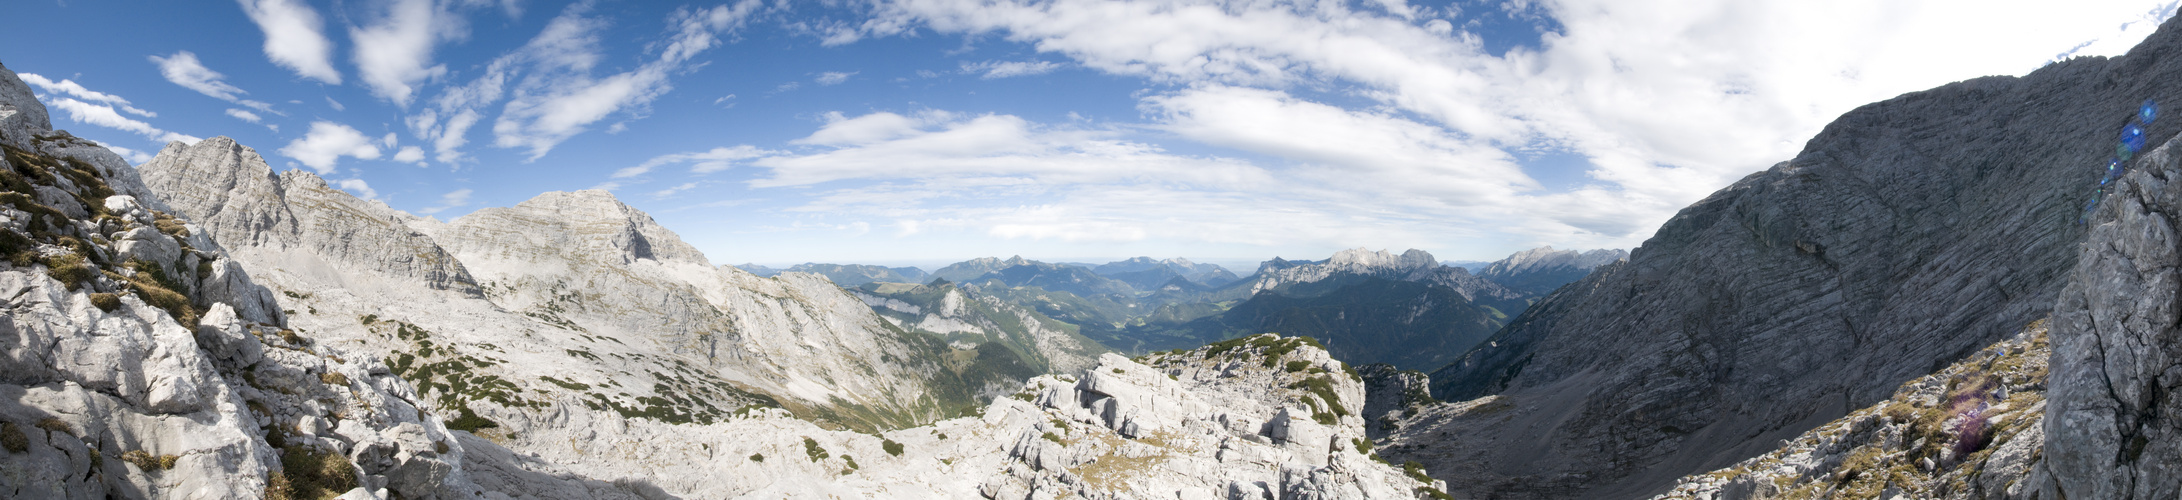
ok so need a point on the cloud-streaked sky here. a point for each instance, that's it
(928, 131)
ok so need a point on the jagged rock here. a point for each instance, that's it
(21, 117)
(110, 392)
(2112, 425)
(230, 192)
(1906, 235)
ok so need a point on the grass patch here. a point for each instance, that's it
(811, 449)
(757, 457)
(12, 438)
(891, 447)
(314, 474)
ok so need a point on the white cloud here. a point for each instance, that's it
(560, 99)
(671, 191)
(1004, 69)
(833, 77)
(244, 115)
(183, 69)
(294, 37)
(453, 199)
(844, 131)
(72, 89)
(394, 54)
(704, 162)
(336, 104)
(325, 144)
(1667, 100)
(105, 116)
(410, 154)
(357, 187)
(133, 156)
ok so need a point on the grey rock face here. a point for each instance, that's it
(22, 118)
(2113, 421)
(231, 192)
(1906, 235)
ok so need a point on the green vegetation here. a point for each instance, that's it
(573, 386)
(106, 301)
(145, 461)
(310, 473)
(1052, 437)
(891, 447)
(811, 449)
(757, 457)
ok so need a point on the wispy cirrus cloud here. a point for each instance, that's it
(1005, 69)
(182, 68)
(549, 88)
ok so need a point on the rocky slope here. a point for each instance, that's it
(1972, 430)
(1011, 343)
(1541, 270)
(1908, 234)
(139, 360)
(846, 275)
(577, 301)
(1215, 422)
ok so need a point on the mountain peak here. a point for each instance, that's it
(21, 115)
(1361, 257)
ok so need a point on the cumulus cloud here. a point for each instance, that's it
(410, 154)
(323, 146)
(393, 54)
(1004, 69)
(295, 37)
(185, 70)
(453, 199)
(1666, 100)
(357, 187)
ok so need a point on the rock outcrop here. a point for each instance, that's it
(1906, 235)
(138, 360)
(2114, 423)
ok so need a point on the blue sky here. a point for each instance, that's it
(930, 131)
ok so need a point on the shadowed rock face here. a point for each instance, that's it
(1909, 233)
(2113, 421)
